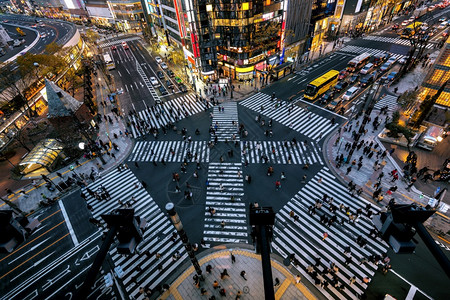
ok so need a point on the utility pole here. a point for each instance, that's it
(170, 207)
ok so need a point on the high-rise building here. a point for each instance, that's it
(438, 76)
(128, 14)
(99, 12)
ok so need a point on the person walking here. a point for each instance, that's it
(297, 279)
(233, 258)
(222, 224)
(243, 275)
(325, 235)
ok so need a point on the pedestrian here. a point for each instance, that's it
(215, 284)
(136, 164)
(349, 169)
(224, 274)
(325, 235)
(233, 258)
(243, 275)
(297, 279)
(277, 282)
(222, 224)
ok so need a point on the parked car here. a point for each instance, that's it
(367, 68)
(333, 105)
(160, 74)
(340, 86)
(158, 59)
(366, 80)
(385, 66)
(169, 84)
(343, 74)
(351, 93)
(163, 90)
(327, 97)
(125, 45)
(391, 76)
(354, 78)
(170, 73)
(154, 82)
(163, 66)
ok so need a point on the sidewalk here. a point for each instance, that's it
(367, 176)
(251, 288)
(28, 200)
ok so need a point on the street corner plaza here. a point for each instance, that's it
(213, 162)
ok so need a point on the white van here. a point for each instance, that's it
(351, 92)
(367, 68)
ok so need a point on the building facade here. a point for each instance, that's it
(99, 12)
(438, 76)
(127, 14)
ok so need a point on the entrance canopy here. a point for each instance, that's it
(42, 156)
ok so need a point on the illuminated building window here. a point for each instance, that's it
(209, 7)
(245, 6)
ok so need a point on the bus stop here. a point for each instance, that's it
(282, 70)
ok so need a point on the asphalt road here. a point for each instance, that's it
(52, 31)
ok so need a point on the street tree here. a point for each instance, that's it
(407, 99)
(92, 36)
(418, 40)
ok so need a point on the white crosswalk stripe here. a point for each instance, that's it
(304, 236)
(156, 237)
(170, 151)
(372, 51)
(225, 123)
(390, 40)
(389, 100)
(117, 42)
(224, 193)
(280, 152)
(307, 123)
(162, 114)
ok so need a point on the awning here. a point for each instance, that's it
(282, 66)
(44, 153)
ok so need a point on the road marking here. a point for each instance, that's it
(412, 285)
(7, 273)
(120, 74)
(69, 225)
(21, 247)
(329, 111)
(34, 265)
(291, 78)
(31, 249)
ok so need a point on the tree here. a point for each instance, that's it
(427, 105)
(12, 86)
(418, 40)
(53, 48)
(92, 36)
(407, 99)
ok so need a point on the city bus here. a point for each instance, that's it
(320, 85)
(358, 62)
(109, 62)
(410, 30)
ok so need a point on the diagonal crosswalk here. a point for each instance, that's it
(389, 100)
(141, 269)
(372, 51)
(225, 122)
(280, 152)
(303, 236)
(170, 151)
(162, 114)
(391, 40)
(307, 123)
(224, 193)
(117, 42)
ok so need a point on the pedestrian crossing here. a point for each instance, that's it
(224, 193)
(140, 269)
(372, 51)
(170, 151)
(225, 122)
(303, 235)
(280, 152)
(390, 40)
(117, 42)
(165, 113)
(307, 123)
(389, 100)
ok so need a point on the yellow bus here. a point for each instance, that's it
(320, 85)
(410, 30)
